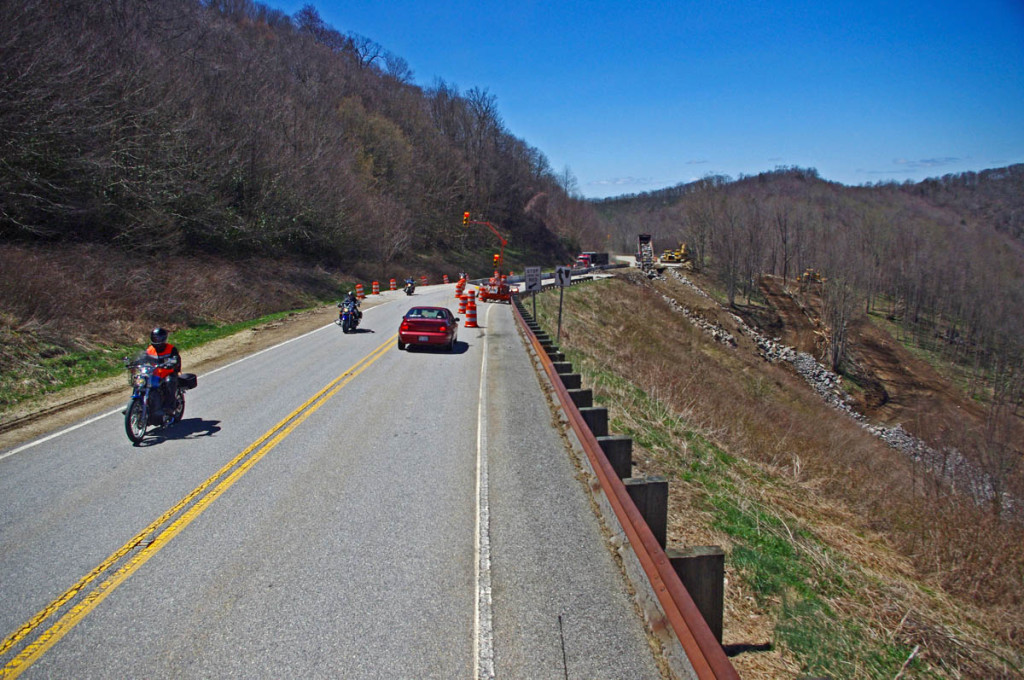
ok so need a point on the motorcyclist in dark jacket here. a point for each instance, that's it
(352, 302)
(166, 353)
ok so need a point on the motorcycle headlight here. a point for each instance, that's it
(138, 380)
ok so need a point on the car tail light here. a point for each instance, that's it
(404, 326)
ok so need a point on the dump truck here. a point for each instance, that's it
(644, 252)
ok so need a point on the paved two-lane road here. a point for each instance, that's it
(331, 507)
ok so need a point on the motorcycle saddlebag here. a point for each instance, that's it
(188, 380)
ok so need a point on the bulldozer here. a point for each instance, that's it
(810, 276)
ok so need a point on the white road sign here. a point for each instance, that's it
(532, 276)
(563, 276)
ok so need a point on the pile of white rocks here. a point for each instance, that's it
(948, 463)
(718, 333)
(682, 278)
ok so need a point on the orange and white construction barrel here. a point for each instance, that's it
(471, 311)
(394, 285)
(376, 288)
(359, 291)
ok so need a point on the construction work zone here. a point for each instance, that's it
(497, 288)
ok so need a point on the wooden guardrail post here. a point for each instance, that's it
(702, 571)
(619, 452)
(582, 397)
(650, 495)
(572, 381)
(596, 418)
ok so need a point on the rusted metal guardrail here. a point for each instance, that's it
(676, 620)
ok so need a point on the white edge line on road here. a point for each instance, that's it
(47, 438)
(483, 638)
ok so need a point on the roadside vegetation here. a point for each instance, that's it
(843, 558)
(69, 314)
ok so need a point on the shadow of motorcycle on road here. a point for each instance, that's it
(189, 428)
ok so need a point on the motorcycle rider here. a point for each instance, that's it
(352, 302)
(410, 285)
(167, 353)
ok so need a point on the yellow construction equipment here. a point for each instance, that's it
(810, 276)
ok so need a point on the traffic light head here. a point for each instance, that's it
(497, 259)
(465, 219)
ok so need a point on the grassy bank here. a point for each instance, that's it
(69, 314)
(47, 368)
(858, 566)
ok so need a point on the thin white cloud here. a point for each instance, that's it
(622, 181)
(927, 162)
(905, 166)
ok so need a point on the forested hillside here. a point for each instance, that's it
(944, 257)
(232, 129)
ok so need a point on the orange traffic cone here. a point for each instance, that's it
(462, 303)
(471, 311)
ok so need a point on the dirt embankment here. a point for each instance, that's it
(893, 386)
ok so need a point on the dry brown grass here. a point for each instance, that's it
(932, 569)
(87, 293)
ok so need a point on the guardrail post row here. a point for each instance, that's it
(619, 452)
(650, 495)
(596, 418)
(702, 571)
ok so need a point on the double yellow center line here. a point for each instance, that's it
(185, 511)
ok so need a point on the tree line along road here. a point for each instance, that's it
(331, 507)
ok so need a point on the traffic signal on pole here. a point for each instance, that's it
(497, 259)
(465, 219)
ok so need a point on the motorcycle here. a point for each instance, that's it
(348, 317)
(410, 287)
(140, 414)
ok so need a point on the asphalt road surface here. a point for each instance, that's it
(330, 507)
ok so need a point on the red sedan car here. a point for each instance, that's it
(428, 326)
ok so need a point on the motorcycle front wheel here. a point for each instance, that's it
(135, 421)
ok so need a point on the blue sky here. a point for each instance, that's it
(636, 96)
